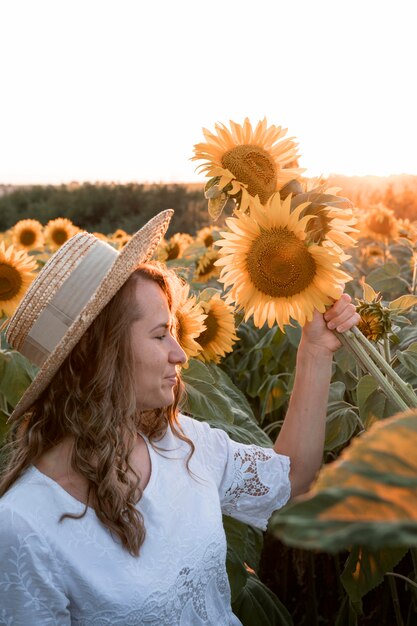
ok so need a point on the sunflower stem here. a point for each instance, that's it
(387, 350)
(414, 280)
(405, 391)
(365, 361)
(395, 601)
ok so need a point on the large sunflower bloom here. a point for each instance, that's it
(248, 161)
(273, 273)
(190, 322)
(58, 231)
(28, 234)
(16, 274)
(379, 223)
(220, 335)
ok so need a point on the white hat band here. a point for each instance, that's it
(67, 303)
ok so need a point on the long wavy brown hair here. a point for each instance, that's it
(92, 399)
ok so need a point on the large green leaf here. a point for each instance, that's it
(212, 397)
(387, 280)
(365, 569)
(244, 545)
(257, 605)
(252, 601)
(341, 424)
(372, 402)
(368, 497)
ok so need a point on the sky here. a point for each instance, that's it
(119, 90)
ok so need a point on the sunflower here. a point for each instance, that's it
(273, 273)
(190, 322)
(16, 274)
(27, 234)
(174, 248)
(379, 223)
(407, 229)
(206, 267)
(375, 322)
(119, 234)
(58, 231)
(247, 162)
(120, 242)
(206, 235)
(333, 216)
(373, 254)
(219, 336)
(100, 236)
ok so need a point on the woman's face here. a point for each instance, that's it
(156, 352)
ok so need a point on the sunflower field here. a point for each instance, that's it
(345, 553)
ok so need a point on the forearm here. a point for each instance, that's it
(303, 431)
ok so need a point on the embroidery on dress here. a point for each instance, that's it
(245, 478)
(191, 587)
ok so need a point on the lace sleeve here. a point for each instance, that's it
(252, 481)
(30, 587)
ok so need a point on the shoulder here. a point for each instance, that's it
(192, 428)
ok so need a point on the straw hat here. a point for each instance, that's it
(67, 295)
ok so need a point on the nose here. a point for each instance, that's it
(177, 354)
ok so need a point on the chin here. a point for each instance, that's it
(163, 404)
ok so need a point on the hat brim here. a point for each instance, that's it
(138, 249)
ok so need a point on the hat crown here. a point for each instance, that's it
(47, 284)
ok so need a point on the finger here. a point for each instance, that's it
(338, 307)
(348, 318)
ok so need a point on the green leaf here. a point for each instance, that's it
(365, 569)
(273, 394)
(258, 605)
(408, 358)
(388, 281)
(211, 396)
(367, 497)
(3, 425)
(244, 545)
(16, 374)
(216, 205)
(207, 294)
(372, 403)
(369, 294)
(403, 303)
(341, 425)
(336, 391)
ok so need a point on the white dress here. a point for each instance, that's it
(76, 572)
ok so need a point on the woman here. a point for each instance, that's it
(111, 501)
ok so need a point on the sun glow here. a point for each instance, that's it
(128, 111)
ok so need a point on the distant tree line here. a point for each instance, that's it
(106, 207)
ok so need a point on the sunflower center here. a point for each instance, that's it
(210, 332)
(10, 282)
(206, 266)
(173, 252)
(208, 240)
(27, 237)
(279, 264)
(253, 166)
(59, 236)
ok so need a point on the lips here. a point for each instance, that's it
(171, 379)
